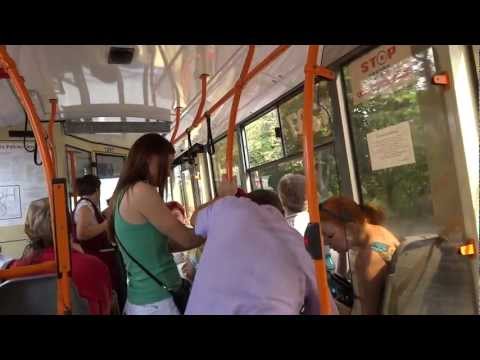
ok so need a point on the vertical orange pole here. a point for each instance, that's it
(177, 123)
(51, 125)
(61, 236)
(18, 84)
(62, 247)
(255, 71)
(201, 106)
(310, 176)
(233, 112)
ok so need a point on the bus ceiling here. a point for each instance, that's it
(146, 83)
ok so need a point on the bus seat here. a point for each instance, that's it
(36, 295)
(427, 277)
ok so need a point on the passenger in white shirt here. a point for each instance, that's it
(291, 190)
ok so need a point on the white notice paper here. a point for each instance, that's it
(391, 146)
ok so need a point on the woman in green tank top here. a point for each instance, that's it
(347, 225)
(146, 229)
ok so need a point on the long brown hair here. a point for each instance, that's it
(343, 210)
(136, 167)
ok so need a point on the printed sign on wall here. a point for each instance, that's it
(391, 146)
(383, 70)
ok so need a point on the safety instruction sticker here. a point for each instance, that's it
(391, 147)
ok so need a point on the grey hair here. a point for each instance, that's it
(291, 190)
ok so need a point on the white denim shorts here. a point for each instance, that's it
(163, 307)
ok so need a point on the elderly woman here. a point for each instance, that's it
(89, 274)
(291, 190)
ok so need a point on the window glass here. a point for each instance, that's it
(188, 191)
(262, 144)
(83, 166)
(411, 173)
(291, 117)
(109, 166)
(176, 185)
(220, 161)
(108, 171)
(327, 178)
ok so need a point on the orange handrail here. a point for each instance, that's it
(177, 123)
(51, 124)
(257, 69)
(203, 98)
(18, 84)
(62, 247)
(233, 111)
(310, 176)
(48, 167)
(29, 270)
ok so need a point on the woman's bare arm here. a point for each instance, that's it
(148, 202)
(371, 271)
(86, 224)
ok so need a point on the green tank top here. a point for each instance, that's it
(150, 248)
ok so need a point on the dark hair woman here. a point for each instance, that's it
(90, 231)
(347, 225)
(146, 229)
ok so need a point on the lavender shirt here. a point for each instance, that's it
(253, 263)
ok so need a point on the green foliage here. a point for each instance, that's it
(403, 191)
(262, 144)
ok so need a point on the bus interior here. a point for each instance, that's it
(392, 125)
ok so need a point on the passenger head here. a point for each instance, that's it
(38, 227)
(291, 190)
(343, 222)
(149, 160)
(89, 186)
(266, 197)
(177, 210)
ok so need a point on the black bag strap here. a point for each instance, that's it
(141, 266)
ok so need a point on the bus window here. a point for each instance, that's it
(176, 185)
(265, 150)
(291, 117)
(188, 191)
(202, 179)
(83, 166)
(418, 190)
(327, 175)
(220, 160)
(262, 144)
(167, 196)
(268, 177)
(108, 171)
(328, 181)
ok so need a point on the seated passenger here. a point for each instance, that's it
(346, 225)
(89, 274)
(147, 232)
(253, 261)
(90, 231)
(182, 259)
(291, 190)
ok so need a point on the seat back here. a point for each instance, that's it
(427, 276)
(36, 295)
